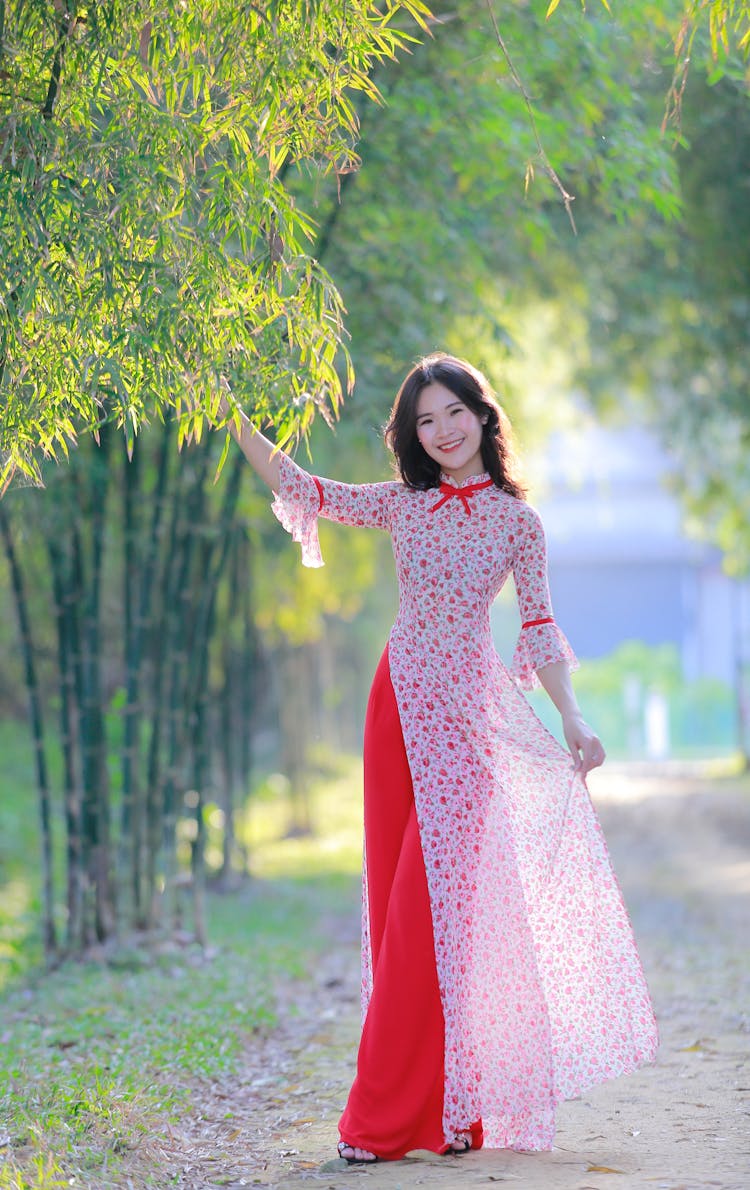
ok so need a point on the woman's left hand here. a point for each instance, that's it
(585, 746)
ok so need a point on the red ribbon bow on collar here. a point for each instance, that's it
(449, 489)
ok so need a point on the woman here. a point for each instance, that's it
(500, 973)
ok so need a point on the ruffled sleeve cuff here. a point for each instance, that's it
(297, 505)
(539, 645)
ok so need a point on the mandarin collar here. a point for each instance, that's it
(482, 477)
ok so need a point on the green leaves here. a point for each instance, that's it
(554, 3)
(149, 241)
(728, 22)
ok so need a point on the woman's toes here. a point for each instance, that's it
(462, 1142)
(352, 1153)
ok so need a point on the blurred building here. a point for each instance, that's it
(622, 566)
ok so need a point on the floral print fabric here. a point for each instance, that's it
(541, 985)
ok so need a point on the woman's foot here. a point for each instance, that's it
(461, 1143)
(355, 1156)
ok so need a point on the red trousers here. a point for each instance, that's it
(396, 1102)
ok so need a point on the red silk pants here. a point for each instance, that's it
(396, 1102)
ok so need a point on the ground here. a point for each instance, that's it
(681, 847)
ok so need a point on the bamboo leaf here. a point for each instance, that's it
(223, 457)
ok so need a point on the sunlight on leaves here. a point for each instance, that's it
(150, 240)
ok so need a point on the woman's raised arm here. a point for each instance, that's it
(261, 454)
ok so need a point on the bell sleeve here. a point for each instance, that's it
(303, 497)
(540, 641)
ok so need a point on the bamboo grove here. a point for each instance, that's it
(139, 585)
(146, 568)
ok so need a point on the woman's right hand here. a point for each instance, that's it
(259, 452)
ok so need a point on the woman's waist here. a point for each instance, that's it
(447, 634)
(423, 609)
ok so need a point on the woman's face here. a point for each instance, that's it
(449, 432)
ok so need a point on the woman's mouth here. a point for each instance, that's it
(449, 446)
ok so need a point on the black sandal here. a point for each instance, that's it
(465, 1140)
(344, 1144)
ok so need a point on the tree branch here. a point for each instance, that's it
(64, 30)
(547, 166)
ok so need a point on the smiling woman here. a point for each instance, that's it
(499, 970)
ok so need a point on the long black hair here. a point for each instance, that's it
(416, 467)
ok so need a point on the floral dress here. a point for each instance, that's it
(540, 984)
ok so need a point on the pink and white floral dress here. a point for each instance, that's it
(541, 986)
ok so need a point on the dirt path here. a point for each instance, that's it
(681, 846)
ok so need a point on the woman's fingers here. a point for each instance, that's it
(585, 747)
(592, 755)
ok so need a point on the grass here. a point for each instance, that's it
(98, 1058)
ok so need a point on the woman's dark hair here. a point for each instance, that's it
(416, 467)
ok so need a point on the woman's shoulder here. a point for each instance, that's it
(522, 514)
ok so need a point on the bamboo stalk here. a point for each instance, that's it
(235, 708)
(177, 633)
(96, 814)
(217, 551)
(226, 706)
(249, 674)
(171, 572)
(142, 629)
(66, 637)
(86, 816)
(212, 555)
(130, 806)
(198, 848)
(37, 728)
